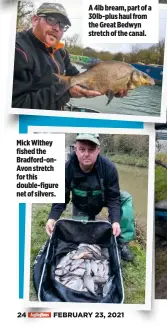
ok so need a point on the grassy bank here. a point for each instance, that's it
(160, 270)
(133, 273)
(126, 159)
(161, 178)
(160, 245)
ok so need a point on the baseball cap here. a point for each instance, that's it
(53, 8)
(88, 137)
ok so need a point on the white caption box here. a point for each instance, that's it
(40, 168)
(131, 21)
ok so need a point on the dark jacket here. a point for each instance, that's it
(107, 173)
(35, 85)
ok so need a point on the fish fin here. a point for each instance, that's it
(63, 78)
(110, 96)
(131, 86)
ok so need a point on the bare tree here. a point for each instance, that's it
(160, 50)
(71, 41)
(25, 11)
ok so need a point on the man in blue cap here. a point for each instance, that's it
(93, 181)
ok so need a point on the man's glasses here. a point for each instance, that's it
(54, 21)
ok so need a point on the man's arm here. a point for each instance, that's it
(42, 93)
(71, 70)
(58, 208)
(55, 213)
(113, 195)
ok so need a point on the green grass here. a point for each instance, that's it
(161, 262)
(161, 179)
(133, 273)
(132, 160)
(160, 251)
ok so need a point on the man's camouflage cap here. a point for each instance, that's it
(94, 138)
(53, 9)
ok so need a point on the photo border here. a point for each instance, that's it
(41, 112)
(148, 129)
(162, 6)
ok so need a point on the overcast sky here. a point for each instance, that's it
(73, 8)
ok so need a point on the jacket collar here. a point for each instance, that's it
(43, 45)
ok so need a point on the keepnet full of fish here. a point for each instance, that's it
(86, 269)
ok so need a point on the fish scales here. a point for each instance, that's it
(75, 283)
(94, 267)
(64, 261)
(81, 254)
(100, 270)
(93, 248)
(88, 267)
(107, 287)
(62, 271)
(78, 272)
(105, 76)
(76, 264)
(89, 283)
(100, 280)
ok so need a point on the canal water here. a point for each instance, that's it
(143, 101)
(135, 181)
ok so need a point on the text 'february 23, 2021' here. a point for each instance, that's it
(40, 168)
(117, 22)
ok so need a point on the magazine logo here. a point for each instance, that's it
(39, 314)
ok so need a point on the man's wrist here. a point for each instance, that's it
(51, 218)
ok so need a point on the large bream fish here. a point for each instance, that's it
(109, 78)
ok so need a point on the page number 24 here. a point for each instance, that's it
(21, 314)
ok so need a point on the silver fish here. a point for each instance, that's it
(62, 271)
(89, 283)
(80, 255)
(100, 280)
(76, 283)
(105, 253)
(83, 289)
(106, 268)
(95, 249)
(76, 263)
(65, 279)
(57, 278)
(107, 287)
(94, 267)
(84, 269)
(100, 271)
(88, 267)
(92, 246)
(65, 261)
(78, 272)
